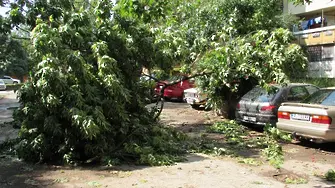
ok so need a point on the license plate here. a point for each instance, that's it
(248, 118)
(300, 117)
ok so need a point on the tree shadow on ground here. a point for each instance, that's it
(327, 147)
(16, 173)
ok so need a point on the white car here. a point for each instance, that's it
(194, 97)
(10, 80)
(313, 118)
(2, 85)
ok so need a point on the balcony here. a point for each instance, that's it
(317, 36)
(307, 9)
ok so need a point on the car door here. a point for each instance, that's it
(297, 94)
(7, 80)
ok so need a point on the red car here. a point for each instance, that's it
(176, 90)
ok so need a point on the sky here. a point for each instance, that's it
(3, 11)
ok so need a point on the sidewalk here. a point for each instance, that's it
(7, 105)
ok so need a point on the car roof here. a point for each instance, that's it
(293, 84)
(299, 84)
(330, 88)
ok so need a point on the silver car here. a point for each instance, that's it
(10, 80)
(2, 85)
(259, 106)
(312, 118)
(195, 97)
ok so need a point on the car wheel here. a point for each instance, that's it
(15, 83)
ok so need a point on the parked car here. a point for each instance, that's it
(312, 118)
(194, 97)
(10, 80)
(175, 91)
(2, 85)
(260, 106)
(149, 85)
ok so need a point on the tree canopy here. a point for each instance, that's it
(13, 55)
(84, 99)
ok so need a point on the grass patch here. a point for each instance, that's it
(15, 87)
(330, 175)
(61, 180)
(8, 147)
(250, 161)
(94, 184)
(257, 182)
(296, 181)
(238, 141)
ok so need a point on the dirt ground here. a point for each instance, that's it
(8, 101)
(306, 161)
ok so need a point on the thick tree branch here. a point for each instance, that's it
(176, 82)
(22, 29)
(20, 38)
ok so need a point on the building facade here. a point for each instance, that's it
(316, 32)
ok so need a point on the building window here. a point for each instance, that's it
(314, 53)
(320, 53)
(327, 53)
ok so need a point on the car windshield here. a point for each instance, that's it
(259, 94)
(174, 78)
(324, 97)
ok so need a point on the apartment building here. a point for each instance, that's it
(316, 32)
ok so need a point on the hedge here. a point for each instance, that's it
(15, 87)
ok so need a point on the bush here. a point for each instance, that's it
(84, 101)
(15, 87)
(330, 175)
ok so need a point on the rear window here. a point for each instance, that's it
(174, 78)
(259, 94)
(324, 97)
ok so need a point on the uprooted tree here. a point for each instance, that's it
(84, 100)
(238, 43)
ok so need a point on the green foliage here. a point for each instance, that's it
(13, 57)
(8, 147)
(232, 41)
(232, 131)
(239, 136)
(330, 175)
(250, 161)
(301, 2)
(277, 134)
(295, 181)
(273, 151)
(84, 100)
(163, 148)
(265, 56)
